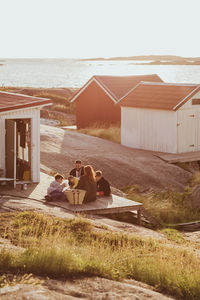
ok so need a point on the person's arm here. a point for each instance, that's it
(76, 181)
(72, 172)
(106, 188)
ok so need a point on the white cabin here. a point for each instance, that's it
(20, 136)
(162, 117)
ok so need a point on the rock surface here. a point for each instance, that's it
(121, 165)
(86, 288)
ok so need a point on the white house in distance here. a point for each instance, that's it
(20, 136)
(161, 117)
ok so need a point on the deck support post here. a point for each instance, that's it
(139, 216)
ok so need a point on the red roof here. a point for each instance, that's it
(165, 96)
(117, 86)
(11, 101)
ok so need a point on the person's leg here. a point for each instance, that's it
(56, 195)
(48, 198)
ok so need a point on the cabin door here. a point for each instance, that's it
(10, 149)
(18, 149)
(187, 129)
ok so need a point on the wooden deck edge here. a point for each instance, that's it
(109, 210)
(177, 160)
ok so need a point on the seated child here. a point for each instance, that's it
(55, 190)
(103, 186)
(73, 182)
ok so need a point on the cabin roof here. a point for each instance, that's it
(117, 86)
(166, 96)
(11, 101)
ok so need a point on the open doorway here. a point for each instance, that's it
(18, 149)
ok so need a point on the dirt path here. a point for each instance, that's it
(121, 165)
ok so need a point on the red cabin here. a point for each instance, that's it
(96, 100)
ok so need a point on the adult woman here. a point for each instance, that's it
(87, 182)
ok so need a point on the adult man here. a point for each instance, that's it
(78, 171)
(103, 186)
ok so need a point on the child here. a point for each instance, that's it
(73, 182)
(103, 186)
(55, 190)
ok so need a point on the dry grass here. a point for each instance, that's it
(65, 248)
(168, 207)
(110, 133)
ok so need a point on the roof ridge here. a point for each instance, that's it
(132, 89)
(184, 100)
(23, 95)
(124, 76)
(107, 89)
(169, 83)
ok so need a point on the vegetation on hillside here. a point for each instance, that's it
(168, 206)
(111, 133)
(66, 248)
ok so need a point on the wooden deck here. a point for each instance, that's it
(179, 157)
(102, 206)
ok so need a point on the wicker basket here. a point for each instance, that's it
(75, 196)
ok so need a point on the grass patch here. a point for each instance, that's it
(60, 103)
(65, 108)
(111, 133)
(173, 235)
(71, 247)
(195, 180)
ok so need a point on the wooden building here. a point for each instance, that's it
(96, 100)
(162, 117)
(20, 136)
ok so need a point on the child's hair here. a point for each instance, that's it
(78, 161)
(58, 176)
(70, 177)
(98, 173)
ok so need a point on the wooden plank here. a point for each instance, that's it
(6, 179)
(139, 216)
(179, 157)
(148, 216)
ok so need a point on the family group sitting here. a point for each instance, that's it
(81, 177)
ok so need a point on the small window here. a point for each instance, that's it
(195, 101)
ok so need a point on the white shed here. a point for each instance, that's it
(20, 136)
(161, 117)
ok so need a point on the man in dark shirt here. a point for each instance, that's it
(78, 171)
(103, 186)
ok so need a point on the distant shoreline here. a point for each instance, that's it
(152, 60)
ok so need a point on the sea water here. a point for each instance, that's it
(74, 73)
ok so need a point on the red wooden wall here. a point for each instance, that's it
(95, 106)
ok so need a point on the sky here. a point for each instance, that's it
(98, 28)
